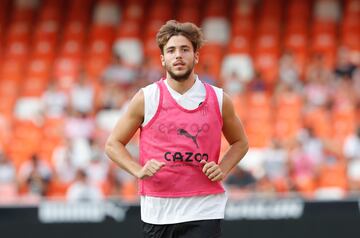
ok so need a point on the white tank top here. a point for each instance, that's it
(157, 210)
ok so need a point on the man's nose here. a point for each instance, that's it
(178, 54)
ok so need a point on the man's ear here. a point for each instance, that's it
(196, 57)
(162, 60)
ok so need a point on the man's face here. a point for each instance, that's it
(179, 58)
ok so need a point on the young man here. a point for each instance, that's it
(181, 121)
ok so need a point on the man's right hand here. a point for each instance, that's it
(150, 168)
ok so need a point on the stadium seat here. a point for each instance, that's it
(129, 29)
(160, 12)
(66, 71)
(33, 87)
(319, 119)
(215, 9)
(134, 11)
(188, 14)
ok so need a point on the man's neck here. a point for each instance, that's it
(181, 86)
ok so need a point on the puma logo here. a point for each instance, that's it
(188, 135)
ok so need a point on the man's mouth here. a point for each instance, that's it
(179, 63)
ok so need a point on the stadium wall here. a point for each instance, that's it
(246, 218)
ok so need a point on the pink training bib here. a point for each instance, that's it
(181, 138)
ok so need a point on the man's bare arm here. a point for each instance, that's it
(236, 137)
(124, 130)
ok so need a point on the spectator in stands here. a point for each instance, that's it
(148, 72)
(80, 152)
(205, 74)
(356, 86)
(122, 184)
(257, 83)
(79, 125)
(82, 95)
(112, 97)
(55, 101)
(302, 168)
(233, 84)
(312, 145)
(343, 95)
(35, 174)
(289, 71)
(276, 166)
(98, 167)
(317, 91)
(8, 186)
(332, 181)
(5, 130)
(82, 190)
(344, 69)
(240, 179)
(7, 170)
(351, 151)
(120, 73)
(64, 168)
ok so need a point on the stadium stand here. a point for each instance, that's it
(292, 68)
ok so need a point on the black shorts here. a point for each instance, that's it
(192, 229)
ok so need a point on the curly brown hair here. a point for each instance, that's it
(174, 28)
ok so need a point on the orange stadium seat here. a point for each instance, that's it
(134, 11)
(8, 98)
(94, 66)
(39, 68)
(267, 64)
(74, 31)
(298, 9)
(344, 122)
(324, 41)
(99, 48)
(56, 189)
(33, 87)
(43, 49)
(350, 31)
(72, 49)
(288, 115)
(319, 119)
(215, 8)
(240, 44)
(258, 112)
(258, 136)
(50, 12)
(152, 27)
(333, 175)
(211, 56)
(101, 33)
(23, 15)
(129, 29)
(188, 14)
(7, 104)
(53, 129)
(240, 105)
(160, 12)
(66, 70)
(242, 32)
